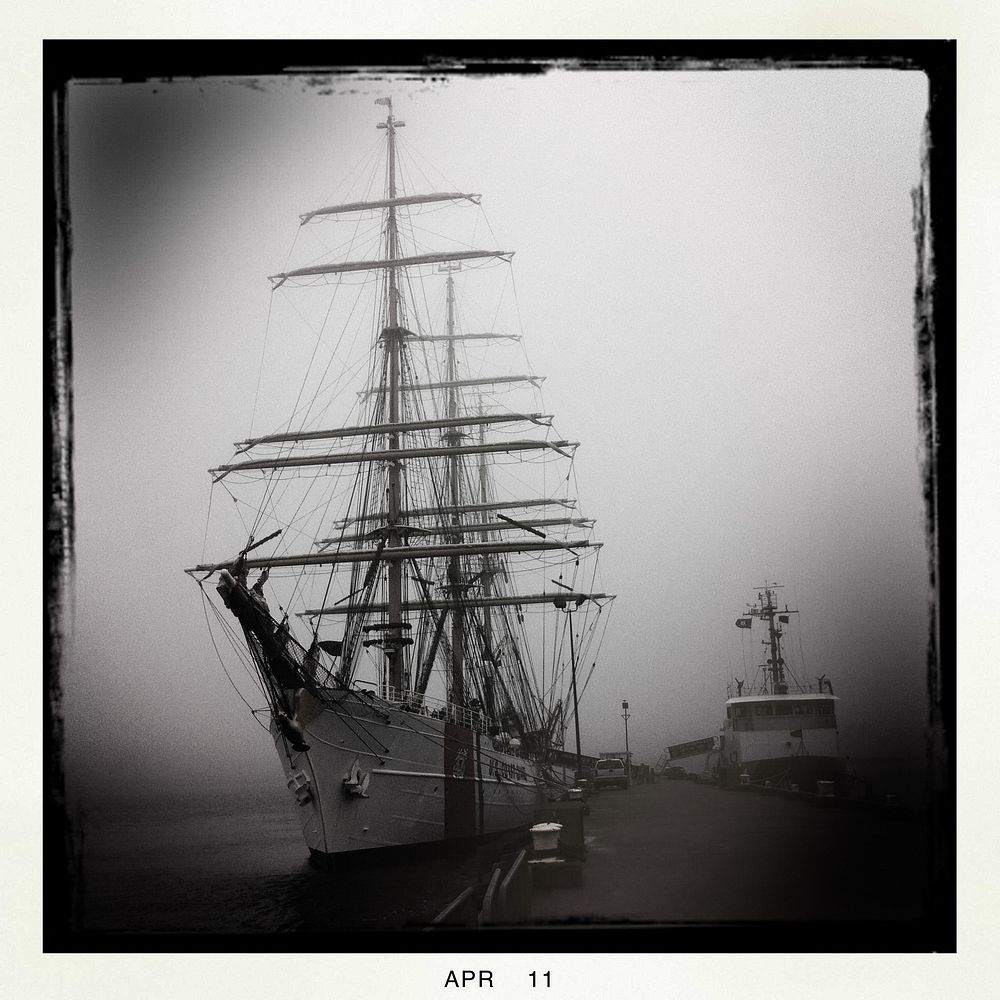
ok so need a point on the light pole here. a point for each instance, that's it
(628, 756)
(576, 707)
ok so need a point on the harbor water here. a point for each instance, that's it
(236, 864)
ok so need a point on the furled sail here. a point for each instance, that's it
(392, 262)
(383, 203)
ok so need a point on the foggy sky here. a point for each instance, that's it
(715, 272)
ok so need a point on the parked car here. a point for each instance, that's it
(610, 772)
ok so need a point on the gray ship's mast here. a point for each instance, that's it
(766, 609)
(452, 436)
(487, 575)
(393, 338)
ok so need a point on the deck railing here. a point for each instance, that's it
(433, 708)
(793, 689)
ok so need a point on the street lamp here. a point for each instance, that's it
(628, 756)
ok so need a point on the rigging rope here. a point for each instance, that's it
(206, 604)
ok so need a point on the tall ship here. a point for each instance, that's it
(405, 575)
(780, 730)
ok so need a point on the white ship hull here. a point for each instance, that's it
(375, 776)
(783, 740)
(763, 746)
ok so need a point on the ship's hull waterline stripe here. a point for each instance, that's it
(461, 777)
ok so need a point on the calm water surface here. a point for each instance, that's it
(239, 864)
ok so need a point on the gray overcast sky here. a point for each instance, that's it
(715, 272)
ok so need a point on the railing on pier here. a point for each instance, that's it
(460, 912)
(506, 901)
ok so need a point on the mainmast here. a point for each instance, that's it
(456, 583)
(393, 336)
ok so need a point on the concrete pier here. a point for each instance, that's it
(679, 852)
